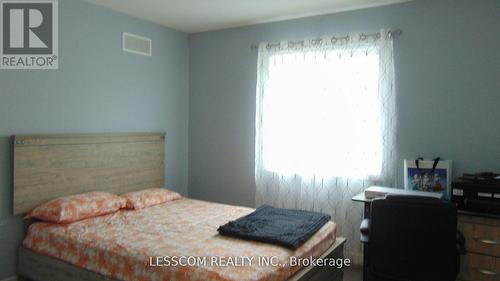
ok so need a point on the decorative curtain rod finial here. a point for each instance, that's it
(395, 33)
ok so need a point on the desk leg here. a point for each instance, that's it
(365, 247)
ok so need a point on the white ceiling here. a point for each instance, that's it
(204, 15)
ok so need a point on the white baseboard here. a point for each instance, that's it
(12, 278)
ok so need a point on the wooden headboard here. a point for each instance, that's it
(50, 166)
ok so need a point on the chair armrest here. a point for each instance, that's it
(364, 228)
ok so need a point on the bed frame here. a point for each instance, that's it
(50, 166)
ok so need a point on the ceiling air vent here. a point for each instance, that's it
(137, 44)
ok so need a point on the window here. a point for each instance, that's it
(320, 111)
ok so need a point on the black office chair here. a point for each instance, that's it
(411, 238)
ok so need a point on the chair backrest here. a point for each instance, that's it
(412, 238)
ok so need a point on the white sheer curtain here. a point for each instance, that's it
(325, 125)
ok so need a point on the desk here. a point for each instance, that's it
(362, 198)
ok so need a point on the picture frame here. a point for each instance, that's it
(423, 177)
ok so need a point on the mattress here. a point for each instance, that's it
(177, 240)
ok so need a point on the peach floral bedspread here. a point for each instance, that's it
(124, 244)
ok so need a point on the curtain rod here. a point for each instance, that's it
(391, 34)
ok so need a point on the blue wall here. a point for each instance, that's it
(447, 66)
(448, 79)
(98, 88)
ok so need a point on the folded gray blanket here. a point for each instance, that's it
(288, 228)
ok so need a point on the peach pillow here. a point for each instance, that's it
(78, 207)
(149, 197)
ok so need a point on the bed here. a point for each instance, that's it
(128, 245)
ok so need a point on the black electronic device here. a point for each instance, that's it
(478, 192)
